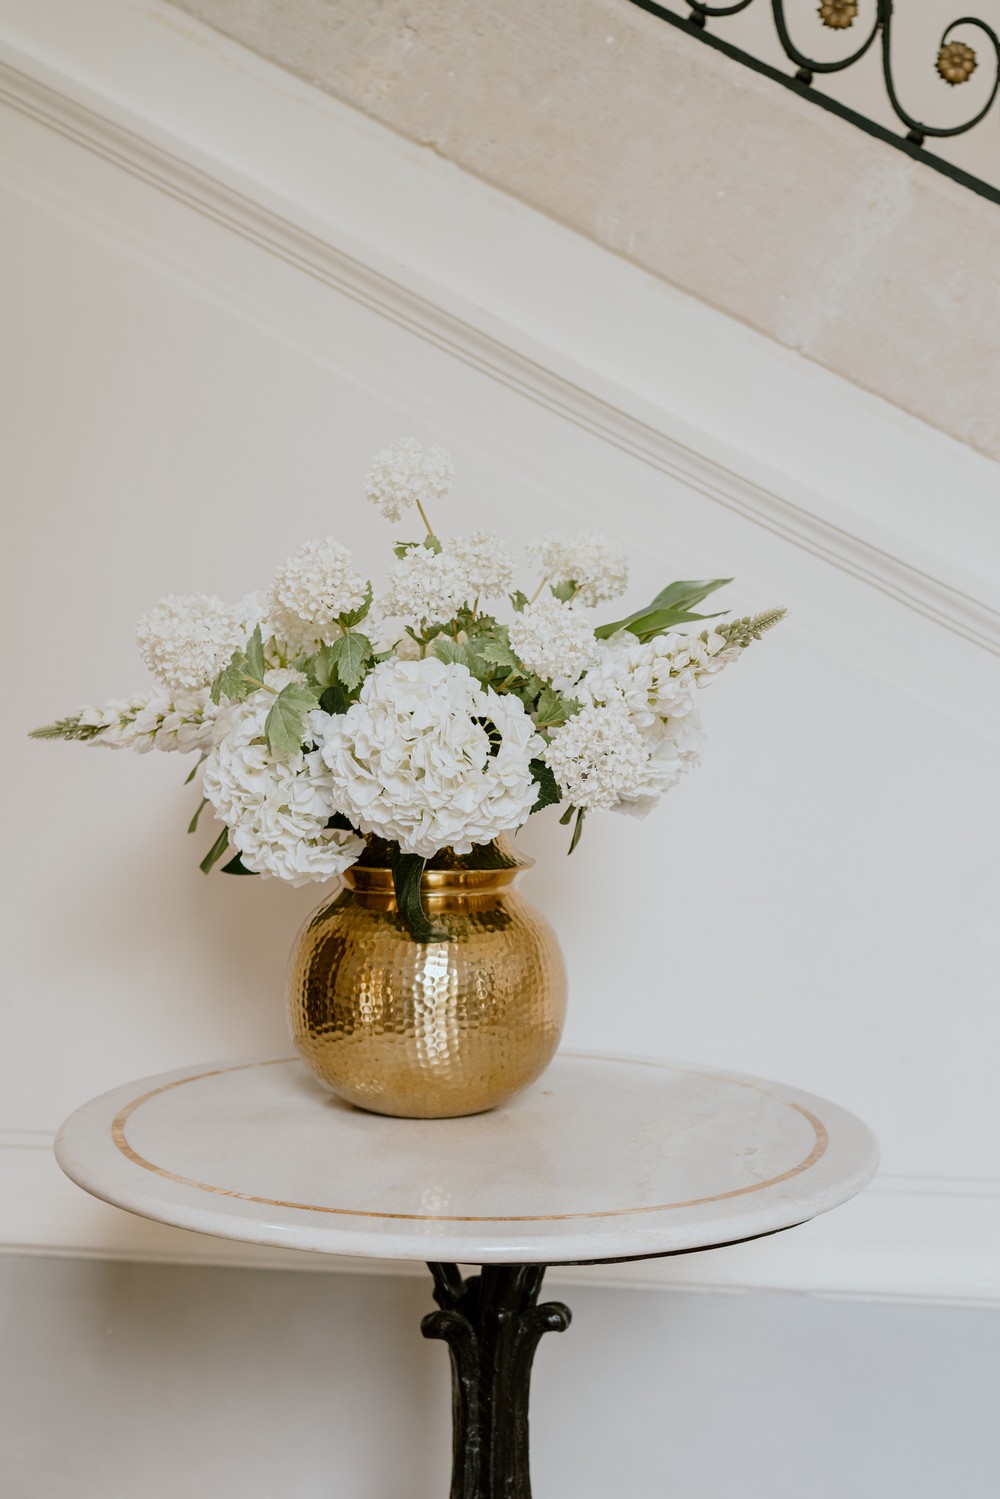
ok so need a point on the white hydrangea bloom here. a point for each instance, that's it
(406, 474)
(310, 591)
(553, 639)
(413, 760)
(598, 757)
(485, 561)
(425, 588)
(187, 640)
(594, 563)
(183, 722)
(276, 810)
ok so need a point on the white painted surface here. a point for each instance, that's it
(603, 1158)
(160, 1380)
(216, 321)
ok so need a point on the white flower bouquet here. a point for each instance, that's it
(334, 725)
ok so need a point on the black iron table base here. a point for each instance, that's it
(492, 1324)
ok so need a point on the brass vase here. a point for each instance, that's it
(428, 1030)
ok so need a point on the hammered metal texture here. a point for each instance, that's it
(434, 1030)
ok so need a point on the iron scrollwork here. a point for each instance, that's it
(955, 63)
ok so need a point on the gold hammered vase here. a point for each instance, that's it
(429, 1030)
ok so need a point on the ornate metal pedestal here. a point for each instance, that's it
(492, 1324)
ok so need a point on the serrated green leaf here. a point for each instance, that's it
(519, 601)
(350, 655)
(255, 663)
(357, 615)
(494, 650)
(548, 787)
(563, 591)
(232, 681)
(193, 824)
(450, 651)
(284, 727)
(236, 866)
(407, 871)
(554, 709)
(673, 602)
(215, 852)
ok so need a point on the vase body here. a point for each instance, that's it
(428, 1030)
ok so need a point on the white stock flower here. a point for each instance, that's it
(276, 810)
(429, 759)
(183, 722)
(485, 562)
(187, 640)
(406, 474)
(310, 591)
(553, 639)
(598, 757)
(425, 587)
(595, 564)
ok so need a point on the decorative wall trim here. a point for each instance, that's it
(920, 1239)
(581, 396)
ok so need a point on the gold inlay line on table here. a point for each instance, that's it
(120, 1139)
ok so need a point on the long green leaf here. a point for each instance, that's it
(215, 852)
(236, 866)
(407, 871)
(193, 824)
(675, 600)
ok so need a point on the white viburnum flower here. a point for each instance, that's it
(187, 640)
(429, 759)
(406, 474)
(674, 747)
(310, 591)
(598, 757)
(595, 564)
(183, 722)
(425, 588)
(553, 639)
(276, 809)
(485, 561)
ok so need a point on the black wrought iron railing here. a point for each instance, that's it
(955, 63)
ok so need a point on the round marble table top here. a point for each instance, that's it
(603, 1158)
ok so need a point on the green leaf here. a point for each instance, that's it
(451, 651)
(407, 870)
(578, 829)
(355, 616)
(334, 699)
(198, 764)
(563, 591)
(673, 603)
(494, 650)
(232, 681)
(215, 852)
(255, 663)
(554, 709)
(338, 820)
(548, 787)
(285, 724)
(193, 824)
(519, 601)
(236, 866)
(660, 621)
(349, 656)
(567, 816)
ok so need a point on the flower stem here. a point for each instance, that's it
(423, 517)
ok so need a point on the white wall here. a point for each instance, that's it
(222, 293)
